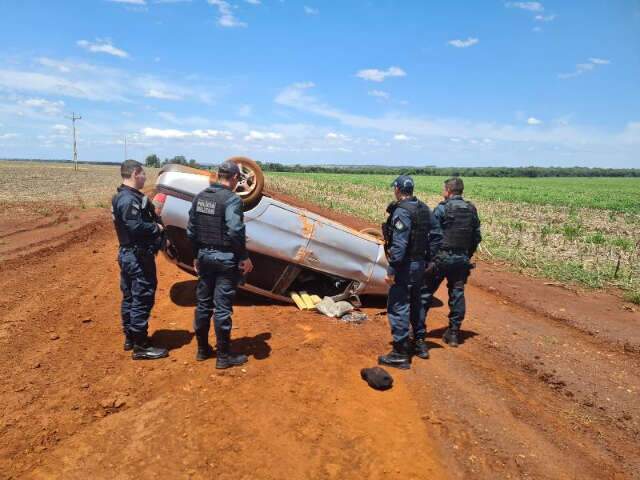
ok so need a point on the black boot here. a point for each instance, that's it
(421, 349)
(450, 337)
(226, 359)
(142, 349)
(398, 357)
(128, 343)
(205, 351)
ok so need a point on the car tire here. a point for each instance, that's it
(252, 181)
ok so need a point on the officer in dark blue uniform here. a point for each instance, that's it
(460, 226)
(217, 232)
(409, 240)
(140, 236)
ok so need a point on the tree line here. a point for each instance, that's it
(532, 172)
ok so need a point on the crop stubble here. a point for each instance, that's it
(584, 230)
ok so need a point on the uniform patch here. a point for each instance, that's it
(133, 211)
(399, 225)
(207, 207)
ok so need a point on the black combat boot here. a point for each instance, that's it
(398, 357)
(205, 351)
(421, 349)
(142, 349)
(226, 359)
(450, 337)
(128, 343)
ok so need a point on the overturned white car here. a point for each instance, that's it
(292, 249)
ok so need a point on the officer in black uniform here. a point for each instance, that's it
(140, 236)
(409, 239)
(217, 232)
(460, 226)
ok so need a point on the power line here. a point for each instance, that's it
(73, 119)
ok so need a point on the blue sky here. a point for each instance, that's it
(353, 82)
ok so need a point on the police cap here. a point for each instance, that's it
(229, 168)
(404, 183)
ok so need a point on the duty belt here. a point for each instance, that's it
(137, 249)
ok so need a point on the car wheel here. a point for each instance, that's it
(251, 182)
(374, 232)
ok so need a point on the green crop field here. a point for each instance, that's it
(582, 230)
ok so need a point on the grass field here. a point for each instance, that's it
(90, 186)
(583, 230)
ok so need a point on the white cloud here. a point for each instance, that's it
(582, 68)
(545, 18)
(155, 93)
(44, 106)
(310, 10)
(59, 128)
(47, 62)
(256, 135)
(378, 93)
(336, 136)
(227, 18)
(253, 2)
(531, 6)
(130, 2)
(83, 80)
(533, 121)
(209, 133)
(375, 75)
(463, 43)
(174, 133)
(164, 133)
(102, 46)
(400, 137)
(6, 136)
(436, 129)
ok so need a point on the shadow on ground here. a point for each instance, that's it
(171, 339)
(462, 336)
(184, 295)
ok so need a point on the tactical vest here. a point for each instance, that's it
(420, 226)
(209, 218)
(147, 213)
(458, 223)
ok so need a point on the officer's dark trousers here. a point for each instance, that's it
(138, 283)
(404, 306)
(455, 268)
(217, 284)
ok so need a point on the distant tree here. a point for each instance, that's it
(152, 160)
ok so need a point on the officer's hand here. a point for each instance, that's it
(246, 266)
(160, 227)
(431, 267)
(196, 265)
(390, 279)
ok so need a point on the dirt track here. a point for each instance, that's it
(546, 384)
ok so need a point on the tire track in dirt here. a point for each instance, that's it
(526, 396)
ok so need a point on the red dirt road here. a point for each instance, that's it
(545, 386)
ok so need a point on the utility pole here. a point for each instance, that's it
(73, 119)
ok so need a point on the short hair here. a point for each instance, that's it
(226, 175)
(129, 167)
(454, 185)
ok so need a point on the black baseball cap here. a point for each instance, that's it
(404, 183)
(230, 168)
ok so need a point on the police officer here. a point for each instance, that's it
(140, 235)
(460, 226)
(217, 233)
(408, 242)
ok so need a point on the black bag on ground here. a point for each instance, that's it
(377, 378)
